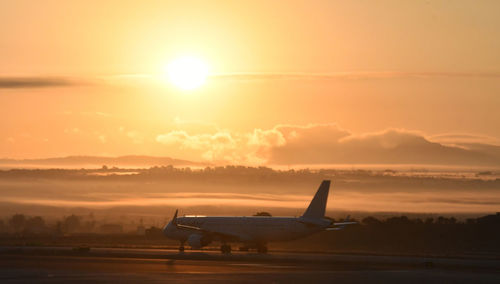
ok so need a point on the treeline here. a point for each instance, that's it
(395, 235)
(444, 236)
(20, 225)
(171, 171)
(401, 234)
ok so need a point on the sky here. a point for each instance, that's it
(295, 82)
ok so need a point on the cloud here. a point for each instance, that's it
(464, 138)
(197, 142)
(328, 144)
(120, 79)
(391, 146)
(352, 75)
(37, 82)
(223, 146)
(211, 146)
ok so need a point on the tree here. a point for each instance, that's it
(371, 221)
(17, 222)
(35, 224)
(263, 214)
(402, 220)
(71, 224)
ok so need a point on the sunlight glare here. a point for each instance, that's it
(187, 73)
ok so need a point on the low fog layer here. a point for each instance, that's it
(241, 191)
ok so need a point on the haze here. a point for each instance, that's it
(409, 86)
(88, 78)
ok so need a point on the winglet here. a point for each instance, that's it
(174, 220)
(317, 207)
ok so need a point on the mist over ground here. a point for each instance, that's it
(153, 194)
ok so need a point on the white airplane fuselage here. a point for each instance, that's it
(255, 231)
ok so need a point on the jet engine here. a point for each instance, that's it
(198, 241)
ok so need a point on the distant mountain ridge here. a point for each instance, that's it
(128, 160)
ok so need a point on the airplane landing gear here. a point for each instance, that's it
(225, 248)
(181, 248)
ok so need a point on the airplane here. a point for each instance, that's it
(254, 231)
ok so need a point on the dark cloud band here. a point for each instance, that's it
(43, 82)
(36, 82)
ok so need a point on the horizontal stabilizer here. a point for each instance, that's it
(334, 229)
(344, 223)
(341, 225)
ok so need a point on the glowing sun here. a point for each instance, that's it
(187, 73)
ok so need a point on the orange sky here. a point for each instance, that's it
(429, 68)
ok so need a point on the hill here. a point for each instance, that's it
(98, 161)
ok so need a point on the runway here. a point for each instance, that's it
(63, 265)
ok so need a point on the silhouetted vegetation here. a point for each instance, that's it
(154, 232)
(394, 235)
(378, 232)
(262, 214)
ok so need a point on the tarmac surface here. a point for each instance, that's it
(102, 265)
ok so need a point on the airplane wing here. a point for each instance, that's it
(228, 236)
(215, 233)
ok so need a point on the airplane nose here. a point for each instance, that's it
(165, 229)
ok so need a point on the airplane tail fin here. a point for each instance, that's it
(174, 220)
(317, 207)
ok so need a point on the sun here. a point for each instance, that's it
(187, 73)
